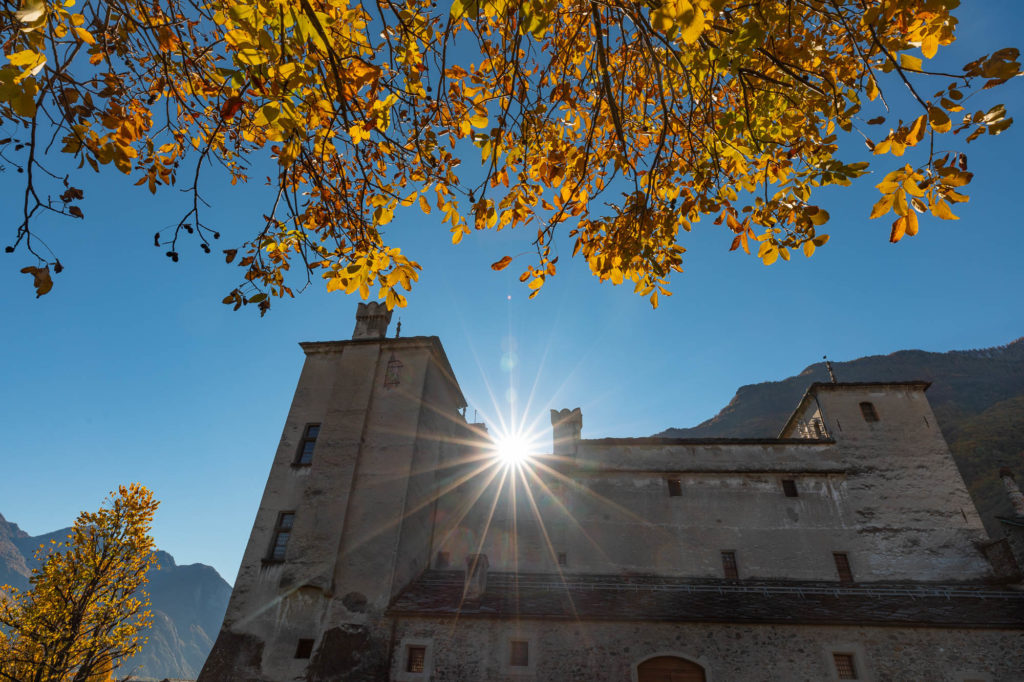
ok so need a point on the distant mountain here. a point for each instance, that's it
(977, 396)
(188, 604)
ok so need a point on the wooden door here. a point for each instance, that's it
(669, 669)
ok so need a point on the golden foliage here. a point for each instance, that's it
(85, 612)
(685, 109)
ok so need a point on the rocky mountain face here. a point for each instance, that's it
(188, 604)
(977, 396)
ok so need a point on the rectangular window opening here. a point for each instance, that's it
(416, 659)
(844, 666)
(518, 653)
(443, 560)
(729, 567)
(307, 445)
(563, 559)
(304, 649)
(282, 531)
(789, 487)
(869, 412)
(843, 567)
(675, 487)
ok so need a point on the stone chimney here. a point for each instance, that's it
(476, 577)
(566, 426)
(372, 320)
(1012, 491)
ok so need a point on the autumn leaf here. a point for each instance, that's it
(40, 279)
(501, 264)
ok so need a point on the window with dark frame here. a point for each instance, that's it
(282, 531)
(563, 559)
(869, 412)
(729, 567)
(843, 567)
(845, 668)
(789, 487)
(675, 487)
(442, 560)
(416, 659)
(307, 445)
(518, 653)
(304, 649)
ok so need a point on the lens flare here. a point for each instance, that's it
(513, 450)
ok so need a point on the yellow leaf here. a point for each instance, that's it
(85, 35)
(424, 205)
(930, 45)
(908, 61)
(911, 223)
(899, 227)
(940, 209)
(809, 248)
(536, 283)
(939, 119)
(882, 206)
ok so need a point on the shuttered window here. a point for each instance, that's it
(845, 669)
(415, 659)
(729, 567)
(843, 567)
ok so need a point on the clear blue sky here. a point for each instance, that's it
(132, 369)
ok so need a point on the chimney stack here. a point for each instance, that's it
(1012, 491)
(566, 426)
(372, 320)
(476, 577)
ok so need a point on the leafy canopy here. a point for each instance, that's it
(85, 612)
(611, 125)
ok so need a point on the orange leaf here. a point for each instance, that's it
(502, 264)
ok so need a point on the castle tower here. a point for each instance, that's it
(347, 515)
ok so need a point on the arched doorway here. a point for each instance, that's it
(669, 669)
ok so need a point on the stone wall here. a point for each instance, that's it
(470, 650)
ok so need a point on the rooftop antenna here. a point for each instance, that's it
(398, 329)
(828, 365)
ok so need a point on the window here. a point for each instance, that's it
(304, 649)
(307, 444)
(675, 487)
(818, 429)
(789, 487)
(845, 669)
(518, 653)
(868, 410)
(442, 560)
(729, 566)
(843, 567)
(415, 659)
(563, 559)
(282, 531)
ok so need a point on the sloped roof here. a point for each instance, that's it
(643, 598)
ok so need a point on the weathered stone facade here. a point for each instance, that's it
(847, 546)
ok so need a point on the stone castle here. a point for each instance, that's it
(390, 544)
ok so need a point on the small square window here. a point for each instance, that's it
(282, 531)
(843, 567)
(563, 559)
(845, 668)
(789, 487)
(518, 653)
(415, 659)
(729, 567)
(675, 487)
(869, 412)
(304, 649)
(443, 560)
(307, 445)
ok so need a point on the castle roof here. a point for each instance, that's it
(649, 598)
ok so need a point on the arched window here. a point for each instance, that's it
(669, 669)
